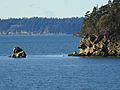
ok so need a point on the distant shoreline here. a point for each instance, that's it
(39, 35)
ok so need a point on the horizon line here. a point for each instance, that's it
(40, 17)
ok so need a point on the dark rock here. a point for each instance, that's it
(83, 46)
(74, 54)
(92, 38)
(17, 50)
(90, 45)
(97, 46)
(99, 38)
(18, 53)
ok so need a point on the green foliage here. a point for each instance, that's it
(104, 20)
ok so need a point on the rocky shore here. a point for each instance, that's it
(100, 33)
(94, 45)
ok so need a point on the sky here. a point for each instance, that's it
(47, 8)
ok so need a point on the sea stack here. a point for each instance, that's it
(18, 53)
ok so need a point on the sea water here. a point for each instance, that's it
(47, 66)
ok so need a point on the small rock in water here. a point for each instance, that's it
(74, 54)
(18, 53)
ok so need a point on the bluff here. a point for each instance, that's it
(100, 33)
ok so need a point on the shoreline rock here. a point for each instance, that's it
(100, 45)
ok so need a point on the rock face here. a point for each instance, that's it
(97, 46)
(18, 53)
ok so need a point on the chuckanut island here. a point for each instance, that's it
(100, 33)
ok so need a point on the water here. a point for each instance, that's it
(39, 45)
(47, 66)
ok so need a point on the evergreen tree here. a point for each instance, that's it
(110, 3)
(105, 20)
(116, 1)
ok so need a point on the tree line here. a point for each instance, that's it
(39, 25)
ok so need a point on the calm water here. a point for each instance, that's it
(39, 45)
(48, 67)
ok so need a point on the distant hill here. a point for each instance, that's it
(36, 25)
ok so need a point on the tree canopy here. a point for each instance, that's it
(104, 20)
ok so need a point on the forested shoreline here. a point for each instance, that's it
(40, 25)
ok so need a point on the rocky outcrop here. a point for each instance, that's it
(97, 46)
(100, 31)
(18, 53)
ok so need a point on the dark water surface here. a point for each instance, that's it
(47, 66)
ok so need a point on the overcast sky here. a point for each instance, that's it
(46, 8)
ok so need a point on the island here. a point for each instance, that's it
(100, 33)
